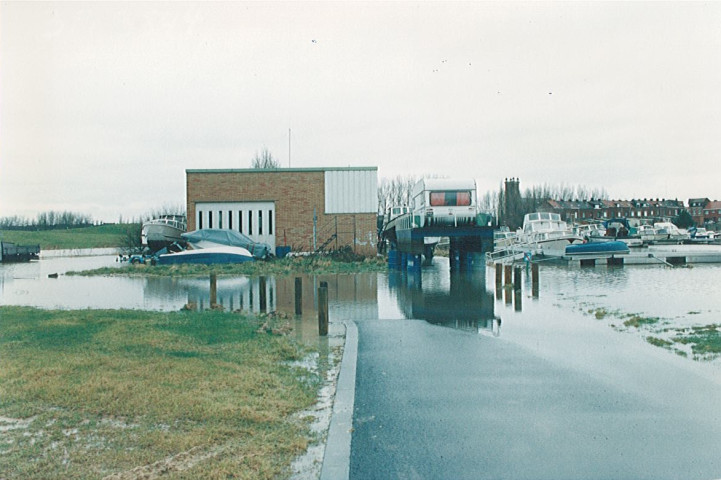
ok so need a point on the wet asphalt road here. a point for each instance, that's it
(438, 403)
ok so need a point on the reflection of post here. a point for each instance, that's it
(213, 290)
(499, 276)
(298, 296)
(534, 280)
(323, 309)
(517, 302)
(261, 294)
(507, 275)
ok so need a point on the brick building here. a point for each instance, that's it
(302, 208)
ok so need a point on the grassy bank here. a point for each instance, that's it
(100, 236)
(88, 394)
(278, 266)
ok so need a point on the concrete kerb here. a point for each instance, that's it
(336, 460)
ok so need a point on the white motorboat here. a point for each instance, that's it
(546, 234)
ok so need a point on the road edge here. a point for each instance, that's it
(336, 459)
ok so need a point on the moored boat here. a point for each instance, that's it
(598, 248)
(207, 256)
(546, 234)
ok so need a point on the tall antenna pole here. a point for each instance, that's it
(289, 148)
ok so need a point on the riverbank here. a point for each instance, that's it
(312, 264)
(100, 236)
(122, 394)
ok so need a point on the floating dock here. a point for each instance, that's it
(671, 255)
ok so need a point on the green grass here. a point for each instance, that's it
(90, 237)
(90, 393)
(637, 321)
(277, 266)
(704, 341)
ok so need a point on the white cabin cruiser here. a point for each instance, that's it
(547, 234)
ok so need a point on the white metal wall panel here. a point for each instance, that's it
(253, 219)
(351, 191)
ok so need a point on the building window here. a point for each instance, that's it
(240, 221)
(270, 222)
(250, 222)
(260, 222)
(200, 220)
(220, 219)
(230, 219)
(210, 219)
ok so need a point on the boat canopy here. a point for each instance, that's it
(210, 237)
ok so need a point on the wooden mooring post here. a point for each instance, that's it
(262, 294)
(213, 290)
(534, 280)
(517, 279)
(507, 280)
(499, 276)
(323, 309)
(298, 296)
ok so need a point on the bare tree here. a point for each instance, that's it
(264, 160)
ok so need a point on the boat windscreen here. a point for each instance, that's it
(452, 198)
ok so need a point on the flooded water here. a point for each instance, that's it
(565, 307)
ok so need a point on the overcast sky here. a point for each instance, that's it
(104, 105)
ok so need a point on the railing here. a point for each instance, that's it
(334, 234)
(509, 254)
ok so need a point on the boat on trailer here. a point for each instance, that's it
(163, 231)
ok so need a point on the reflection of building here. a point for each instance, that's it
(463, 304)
(247, 294)
(304, 208)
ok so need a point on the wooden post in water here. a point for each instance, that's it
(298, 295)
(499, 276)
(517, 279)
(213, 290)
(323, 309)
(261, 294)
(507, 280)
(534, 280)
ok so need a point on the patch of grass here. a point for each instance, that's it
(704, 341)
(277, 266)
(599, 313)
(637, 321)
(100, 236)
(659, 342)
(90, 393)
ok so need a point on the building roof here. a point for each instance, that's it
(277, 170)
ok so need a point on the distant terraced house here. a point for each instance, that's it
(642, 210)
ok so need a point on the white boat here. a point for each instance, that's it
(617, 229)
(163, 231)
(546, 234)
(667, 232)
(207, 256)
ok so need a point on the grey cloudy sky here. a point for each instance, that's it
(104, 105)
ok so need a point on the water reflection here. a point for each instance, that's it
(461, 301)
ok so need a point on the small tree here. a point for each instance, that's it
(264, 160)
(684, 220)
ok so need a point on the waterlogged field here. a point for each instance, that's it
(131, 394)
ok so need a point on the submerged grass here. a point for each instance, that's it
(276, 266)
(86, 394)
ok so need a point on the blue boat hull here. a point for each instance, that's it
(597, 248)
(203, 257)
